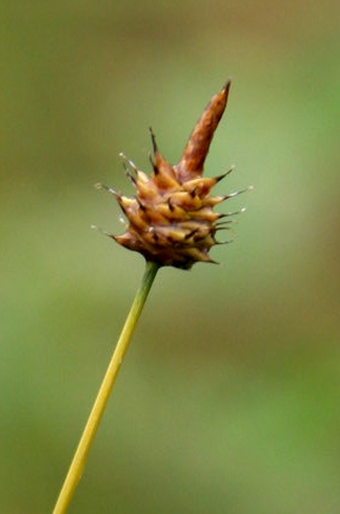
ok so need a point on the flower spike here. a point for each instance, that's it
(171, 220)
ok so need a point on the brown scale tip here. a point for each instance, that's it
(197, 147)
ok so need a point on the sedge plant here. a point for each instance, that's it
(171, 222)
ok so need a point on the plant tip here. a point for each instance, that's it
(171, 219)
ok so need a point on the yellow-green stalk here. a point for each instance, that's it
(79, 460)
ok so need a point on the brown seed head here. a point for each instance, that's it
(171, 217)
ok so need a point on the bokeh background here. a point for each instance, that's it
(229, 399)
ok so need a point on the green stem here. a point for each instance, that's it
(79, 460)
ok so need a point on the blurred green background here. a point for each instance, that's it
(228, 400)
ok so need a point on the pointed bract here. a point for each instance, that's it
(197, 147)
